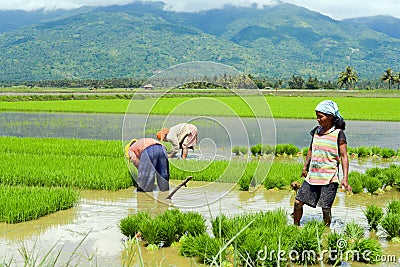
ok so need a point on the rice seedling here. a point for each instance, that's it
(304, 151)
(239, 150)
(363, 151)
(256, 149)
(286, 149)
(354, 231)
(387, 152)
(22, 203)
(244, 182)
(130, 225)
(193, 224)
(391, 224)
(164, 229)
(337, 245)
(372, 183)
(393, 206)
(308, 241)
(367, 250)
(85, 164)
(356, 181)
(374, 216)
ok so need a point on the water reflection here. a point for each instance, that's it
(95, 220)
(110, 127)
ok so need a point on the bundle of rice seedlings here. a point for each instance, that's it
(193, 223)
(355, 180)
(391, 224)
(307, 243)
(354, 231)
(337, 245)
(393, 206)
(367, 250)
(374, 216)
(130, 225)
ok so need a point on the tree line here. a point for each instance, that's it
(347, 79)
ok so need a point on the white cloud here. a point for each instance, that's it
(337, 9)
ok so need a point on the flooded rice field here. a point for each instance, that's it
(90, 230)
(88, 234)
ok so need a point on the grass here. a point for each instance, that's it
(352, 108)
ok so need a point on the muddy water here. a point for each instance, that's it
(91, 228)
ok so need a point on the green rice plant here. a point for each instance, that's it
(267, 149)
(357, 108)
(151, 231)
(88, 164)
(364, 151)
(244, 150)
(244, 182)
(372, 183)
(22, 203)
(354, 231)
(287, 149)
(308, 240)
(236, 150)
(388, 153)
(374, 215)
(367, 250)
(256, 149)
(282, 174)
(193, 224)
(304, 151)
(337, 245)
(392, 173)
(203, 247)
(130, 225)
(356, 181)
(391, 224)
(393, 206)
(188, 248)
(167, 230)
(374, 172)
(352, 150)
(376, 150)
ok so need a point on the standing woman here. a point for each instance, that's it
(321, 168)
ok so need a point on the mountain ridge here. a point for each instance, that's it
(135, 40)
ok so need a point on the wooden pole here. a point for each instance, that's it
(179, 186)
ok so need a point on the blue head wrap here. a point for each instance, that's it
(328, 107)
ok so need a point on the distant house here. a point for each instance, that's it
(148, 86)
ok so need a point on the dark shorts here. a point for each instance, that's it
(321, 195)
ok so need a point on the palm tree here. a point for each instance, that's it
(388, 77)
(347, 77)
(396, 79)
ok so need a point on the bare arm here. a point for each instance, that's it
(307, 163)
(345, 165)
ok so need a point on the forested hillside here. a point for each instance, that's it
(137, 40)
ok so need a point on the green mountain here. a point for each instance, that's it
(384, 24)
(137, 40)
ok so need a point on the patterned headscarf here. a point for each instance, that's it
(328, 107)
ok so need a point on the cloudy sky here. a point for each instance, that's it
(337, 9)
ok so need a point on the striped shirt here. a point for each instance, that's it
(324, 164)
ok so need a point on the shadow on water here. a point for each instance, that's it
(98, 213)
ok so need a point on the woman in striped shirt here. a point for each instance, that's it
(321, 168)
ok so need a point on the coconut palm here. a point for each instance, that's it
(388, 77)
(347, 77)
(396, 79)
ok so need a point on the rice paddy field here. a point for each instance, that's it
(78, 194)
(352, 108)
